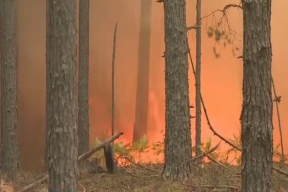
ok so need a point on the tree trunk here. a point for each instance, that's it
(9, 118)
(141, 117)
(198, 80)
(48, 88)
(178, 152)
(257, 107)
(83, 77)
(62, 116)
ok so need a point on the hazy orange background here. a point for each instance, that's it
(221, 78)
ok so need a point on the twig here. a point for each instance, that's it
(84, 189)
(213, 130)
(113, 81)
(147, 176)
(209, 157)
(224, 10)
(193, 27)
(277, 100)
(208, 152)
(80, 158)
(46, 177)
(280, 171)
(139, 165)
(213, 186)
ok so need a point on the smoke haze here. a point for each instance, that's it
(221, 78)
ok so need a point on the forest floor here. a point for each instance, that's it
(144, 178)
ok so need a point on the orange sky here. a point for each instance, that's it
(221, 78)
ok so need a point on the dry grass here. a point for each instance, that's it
(207, 177)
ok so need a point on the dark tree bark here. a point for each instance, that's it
(256, 117)
(109, 159)
(83, 77)
(141, 115)
(9, 117)
(62, 114)
(198, 81)
(48, 88)
(178, 152)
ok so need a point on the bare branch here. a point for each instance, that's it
(224, 10)
(192, 27)
(277, 101)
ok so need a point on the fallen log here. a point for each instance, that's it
(80, 158)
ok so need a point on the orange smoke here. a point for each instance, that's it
(221, 78)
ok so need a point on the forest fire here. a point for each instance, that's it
(222, 77)
(147, 149)
(223, 102)
(150, 149)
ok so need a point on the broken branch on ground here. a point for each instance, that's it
(80, 158)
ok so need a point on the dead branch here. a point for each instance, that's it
(147, 176)
(240, 57)
(208, 152)
(95, 149)
(205, 110)
(80, 158)
(212, 186)
(84, 189)
(139, 165)
(280, 171)
(209, 123)
(277, 101)
(193, 27)
(217, 162)
(46, 177)
(224, 10)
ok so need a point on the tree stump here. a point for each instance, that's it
(109, 159)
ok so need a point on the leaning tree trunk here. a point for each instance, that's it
(141, 115)
(178, 152)
(62, 116)
(256, 117)
(83, 77)
(9, 117)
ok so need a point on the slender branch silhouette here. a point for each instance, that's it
(277, 100)
(113, 80)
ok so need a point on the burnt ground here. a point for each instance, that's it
(145, 178)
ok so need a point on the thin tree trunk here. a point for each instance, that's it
(113, 80)
(83, 77)
(48, 81)
(9, 107)
(62, 121)
(178, 152)
(141, 115)
(198, 80)
(257, 107)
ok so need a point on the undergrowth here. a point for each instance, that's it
(134, 151)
